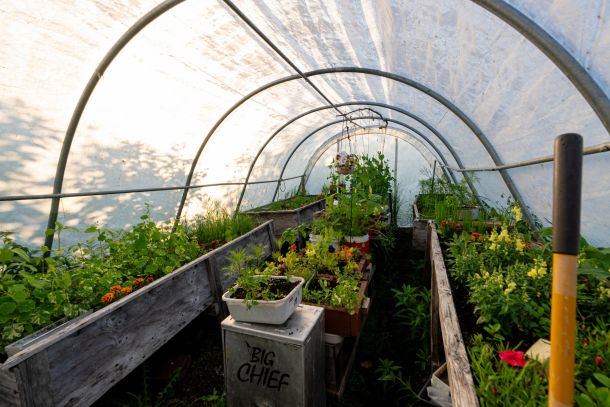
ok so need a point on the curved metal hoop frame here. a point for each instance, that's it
(400, 123)
(337, 137)
(357, 103)
(582, 80)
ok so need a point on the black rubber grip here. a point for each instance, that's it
(567, 182)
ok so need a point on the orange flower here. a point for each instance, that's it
(293, 247)
(115, 288)
(137, 282)
(475, 236)
(149, 279)
(126, 290)
(108, 297)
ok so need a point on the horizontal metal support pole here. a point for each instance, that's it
(599, 148)
(132, 191)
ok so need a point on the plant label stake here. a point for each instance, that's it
(566, 238)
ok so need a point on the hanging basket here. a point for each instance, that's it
(345, 163)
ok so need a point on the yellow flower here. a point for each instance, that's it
(493, 246)
(519, 245)
(532, 273)
(493, 237)
(504, 235)
(517, 211)
(510, 287)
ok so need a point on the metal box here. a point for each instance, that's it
(276, 365)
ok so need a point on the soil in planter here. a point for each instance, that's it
(275, 289)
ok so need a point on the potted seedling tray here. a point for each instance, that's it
(264, 311)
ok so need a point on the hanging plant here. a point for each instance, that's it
(345, 163)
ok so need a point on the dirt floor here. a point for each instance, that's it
(188, 370)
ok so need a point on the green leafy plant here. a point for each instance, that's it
(594, 394)
(38, 287)
(218, 227)
(499, 383)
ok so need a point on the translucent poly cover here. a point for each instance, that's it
(462, 85)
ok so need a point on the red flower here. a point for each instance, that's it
(458, 226)
(149, 279)
(513, 357)
(598, 360)
(494, 390)
(293, 247)
(475, 236)
(585, 342)
(443, 222)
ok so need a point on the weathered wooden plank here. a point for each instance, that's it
(89, 356)
(458, 368)
(290, 218)
(436, 337)
(9, 393)
(77, 362)
(37, 336)
(33, 380)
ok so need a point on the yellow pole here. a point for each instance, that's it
(563, 330)
(566, 240)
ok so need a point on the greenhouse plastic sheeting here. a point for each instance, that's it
(478, 81)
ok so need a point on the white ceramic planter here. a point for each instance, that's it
(266, 312)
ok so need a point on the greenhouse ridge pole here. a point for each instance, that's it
(377, 104)
(249, 22)
(571, 68)
(83, 100)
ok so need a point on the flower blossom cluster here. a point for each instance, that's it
(538, 270)
(118, 291)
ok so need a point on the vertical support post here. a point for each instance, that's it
(566, 238)
(433, 176)
(396, 165)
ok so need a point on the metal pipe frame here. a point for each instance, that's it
(375, 72)
(84, 99)
(363, 103)
(340, 121)
(129, 191)
(557, 53)
(250, 24)
(337, 137)
(584, 83)
(599, 148)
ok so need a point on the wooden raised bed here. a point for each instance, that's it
(445, 334)
(75, 363)
(289, 218)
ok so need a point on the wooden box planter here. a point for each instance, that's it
(76, 362)
(337, 320)
(420, 223)
(289, 218)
